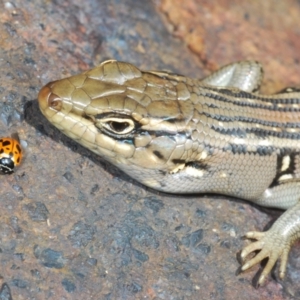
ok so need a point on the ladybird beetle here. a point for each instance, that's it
(10, 154)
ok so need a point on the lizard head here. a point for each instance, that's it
(127, 116)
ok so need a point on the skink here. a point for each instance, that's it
(181, 135)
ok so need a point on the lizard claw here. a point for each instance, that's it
(273, 246)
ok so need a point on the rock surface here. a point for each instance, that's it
(73, 226)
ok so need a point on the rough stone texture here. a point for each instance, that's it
(220, 32)
(74, 227)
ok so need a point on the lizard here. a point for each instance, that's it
(181, 135)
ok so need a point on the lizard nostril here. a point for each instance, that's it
(47, 99)
(54, 102)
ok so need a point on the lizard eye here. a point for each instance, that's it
(116, 126)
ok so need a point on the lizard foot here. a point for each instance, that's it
(273, 246)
